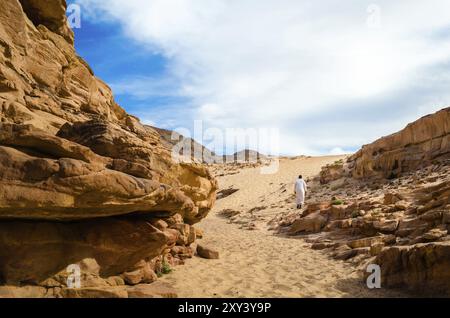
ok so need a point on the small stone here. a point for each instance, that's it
(160, 224)
(206, 252)
(133, 278)
(199, 233)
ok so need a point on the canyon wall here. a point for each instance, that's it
(79, 177)
(422, 142)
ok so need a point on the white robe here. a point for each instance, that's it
(300, 191)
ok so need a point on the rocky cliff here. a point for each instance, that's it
(389, 205)
(79, 177)
(423, 142)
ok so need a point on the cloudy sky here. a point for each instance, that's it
(330, 75)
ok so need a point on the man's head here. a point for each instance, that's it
(300, 177)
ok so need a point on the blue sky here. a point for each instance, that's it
(117, 59)
(329, 76)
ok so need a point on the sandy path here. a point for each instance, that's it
(257, 263)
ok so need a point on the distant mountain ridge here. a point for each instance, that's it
(202, 154)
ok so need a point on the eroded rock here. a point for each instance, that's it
(31, 252)
(207, 252)
(419, 268)
(79, 177)
(418, 145)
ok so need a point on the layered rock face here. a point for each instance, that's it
(79, 177)
(388, 205)
(403, 226)
(418, 267)
(418, 145)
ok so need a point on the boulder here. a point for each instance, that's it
(207, 252)
(182, 252)
(67, 181)
(434, 235)
(186, 234)
(332, 172)
(31, 252)
(312, 223)
(134, 277)
(339, 212)
(386, 226)
(365, 242)
(421, 268)
(344, 252)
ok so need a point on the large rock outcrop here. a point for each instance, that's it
(419, 144)
(403, 226)
(43, 81)
(79, 177)
(389, 205)
(419, 267)
(34, 251)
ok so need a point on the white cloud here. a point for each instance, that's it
(142, 87)
(260, 63)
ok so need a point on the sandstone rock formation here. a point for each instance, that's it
(206, 252)
(417, 267)
(31, 252)
(389, 205)
(79, 177)
(332, 172)
(403, 226)
(423, 142)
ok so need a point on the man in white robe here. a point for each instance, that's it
(300, 191)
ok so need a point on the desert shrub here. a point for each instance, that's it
(166, 269)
